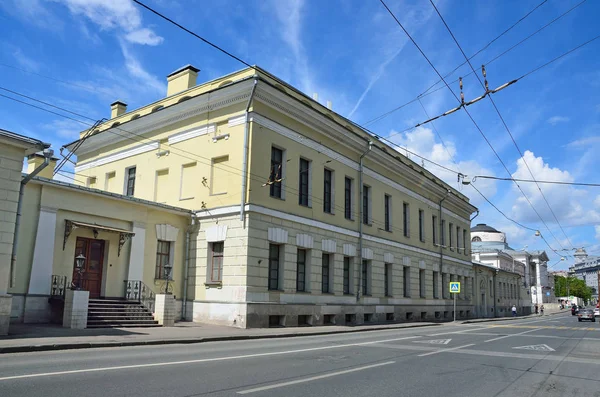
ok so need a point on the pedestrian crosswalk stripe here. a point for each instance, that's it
(544, 327)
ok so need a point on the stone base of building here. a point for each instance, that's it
(76, 309)
(5, 310)
(263, 315)
(36, 309)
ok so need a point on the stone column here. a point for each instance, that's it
(164, 309)
(5, 308)
(37, 309)
(76, 309)
(136, 254)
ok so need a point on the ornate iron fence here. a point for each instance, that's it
(59, 286)
(136, 290)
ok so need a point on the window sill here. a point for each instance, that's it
(217, 194)
(305, 205)
(298, 292)
(277, 198)
(327, 293)
(275, 290)
(330, 213)
(213, 284)
(164, 280)
(186, 198)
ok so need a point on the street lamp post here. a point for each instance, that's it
(79, 264)
(167, 272)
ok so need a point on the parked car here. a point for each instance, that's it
(596, 312)
(586, 314)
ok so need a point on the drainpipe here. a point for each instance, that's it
(188, 235)
(48, 153)
(441, 234)
(246, 149)
(476, 215)
(360, 219)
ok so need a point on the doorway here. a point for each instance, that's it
(91, 277)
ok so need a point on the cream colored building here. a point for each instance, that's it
(120, 238)
(288, 235)
(497, 290)
(13, 149)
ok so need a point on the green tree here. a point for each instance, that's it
(572, 286)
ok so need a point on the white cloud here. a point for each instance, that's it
(136, 70)
(597, 229)
(27, 63)
(557, 119)
(121, 16)
(584, 142)
(422, 141)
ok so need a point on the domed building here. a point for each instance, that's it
(489, 246)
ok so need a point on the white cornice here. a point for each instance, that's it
(192, 133)
(235, 93)
(299, 138)
(117, 156)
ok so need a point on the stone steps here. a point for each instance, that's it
(116, 313)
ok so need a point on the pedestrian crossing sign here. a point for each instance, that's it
(455, 287)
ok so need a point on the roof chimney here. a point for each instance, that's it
(36, 159)
(181, 79)
(117, 108)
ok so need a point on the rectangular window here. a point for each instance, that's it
(188, 183)
(366, 204)
(436, 282)
(91, 182)
(220, 174)
(347, 268)
(303, 182)
(434, 228)
(273, 267)
(301, 271)
(457, 238)
(450, 227)
(422, 225)
(216, 262)
(406, 281)
(163, 255)
(365, 275)
(110, 184)
(276, 174)
(422, 283)
(130, 183)
(325, 272)
(328, 191)
(348, 198)
(464, 241)
(406, 219)
(443, 233)
(387, 279)
(387, 204)
(161, 192)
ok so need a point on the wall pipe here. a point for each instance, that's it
(360, 218)
(245, 154)
(48, 153)
(188, 235)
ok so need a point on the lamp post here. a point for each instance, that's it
(167, 273)
(79, 264)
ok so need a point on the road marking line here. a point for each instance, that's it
(445, 350)
(202, 360)
(329, 375)
(434, 341)
(541, 348)
(457, 332)
(508, 336)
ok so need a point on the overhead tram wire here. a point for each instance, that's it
(192, 33)
(466, 111)
(484, 86)
(510, 219)
(428, 92)
(537, 181)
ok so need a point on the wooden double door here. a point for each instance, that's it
(91, 277)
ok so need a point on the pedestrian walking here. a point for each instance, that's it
(514, 311)
(536, 309)
(542, 310)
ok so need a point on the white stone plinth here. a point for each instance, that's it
(165, 310)
(5, 307)
(76, 309)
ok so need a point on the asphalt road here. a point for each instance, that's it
(549, 356)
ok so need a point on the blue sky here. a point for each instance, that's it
(350, 52)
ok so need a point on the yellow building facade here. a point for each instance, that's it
(303, 217)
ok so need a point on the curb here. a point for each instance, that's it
(183, 341)
(509, 318)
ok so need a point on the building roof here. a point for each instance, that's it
(112, 195)
(23, 140)
(482, 227)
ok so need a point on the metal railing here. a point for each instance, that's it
(59, 286)
(136, 290)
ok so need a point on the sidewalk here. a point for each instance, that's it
(43, 337)
(485, 320)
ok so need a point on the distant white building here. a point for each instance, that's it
(587, 268)
(489, 246)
